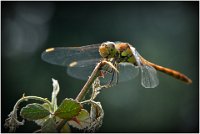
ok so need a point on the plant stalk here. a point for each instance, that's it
(84, 90)
(91, 79)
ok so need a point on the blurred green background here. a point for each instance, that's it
(166, 33)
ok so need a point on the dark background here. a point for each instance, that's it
(165, 33)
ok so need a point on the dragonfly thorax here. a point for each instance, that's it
(125, 54)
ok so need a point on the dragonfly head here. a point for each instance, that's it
(107, 49)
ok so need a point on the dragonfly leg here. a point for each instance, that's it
(109, 83)
(117, 76)
(107, 69)
(113, 74)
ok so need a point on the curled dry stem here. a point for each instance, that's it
(12, 122)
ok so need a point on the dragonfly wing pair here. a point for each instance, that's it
(79, 61)
(66, 56)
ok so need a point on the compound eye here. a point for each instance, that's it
(103, 50)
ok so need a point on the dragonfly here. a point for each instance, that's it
(80, 62)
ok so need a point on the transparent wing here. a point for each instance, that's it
(136, 55)
(149, 77)
(127, 71)
(64, 56)
(82, 69)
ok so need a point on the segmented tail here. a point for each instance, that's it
(170, 72)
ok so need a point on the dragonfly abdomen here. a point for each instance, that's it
(171, 72)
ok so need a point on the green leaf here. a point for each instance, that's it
(68, 109)
(46, 106)
(82, 120)
(34, 111)
(49, 126)
(41, 121)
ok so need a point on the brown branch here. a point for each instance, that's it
(91, 79)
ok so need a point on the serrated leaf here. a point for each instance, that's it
(49, 126)
(41, 121)
(82, 120)
(68, 109)
(34, 111)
